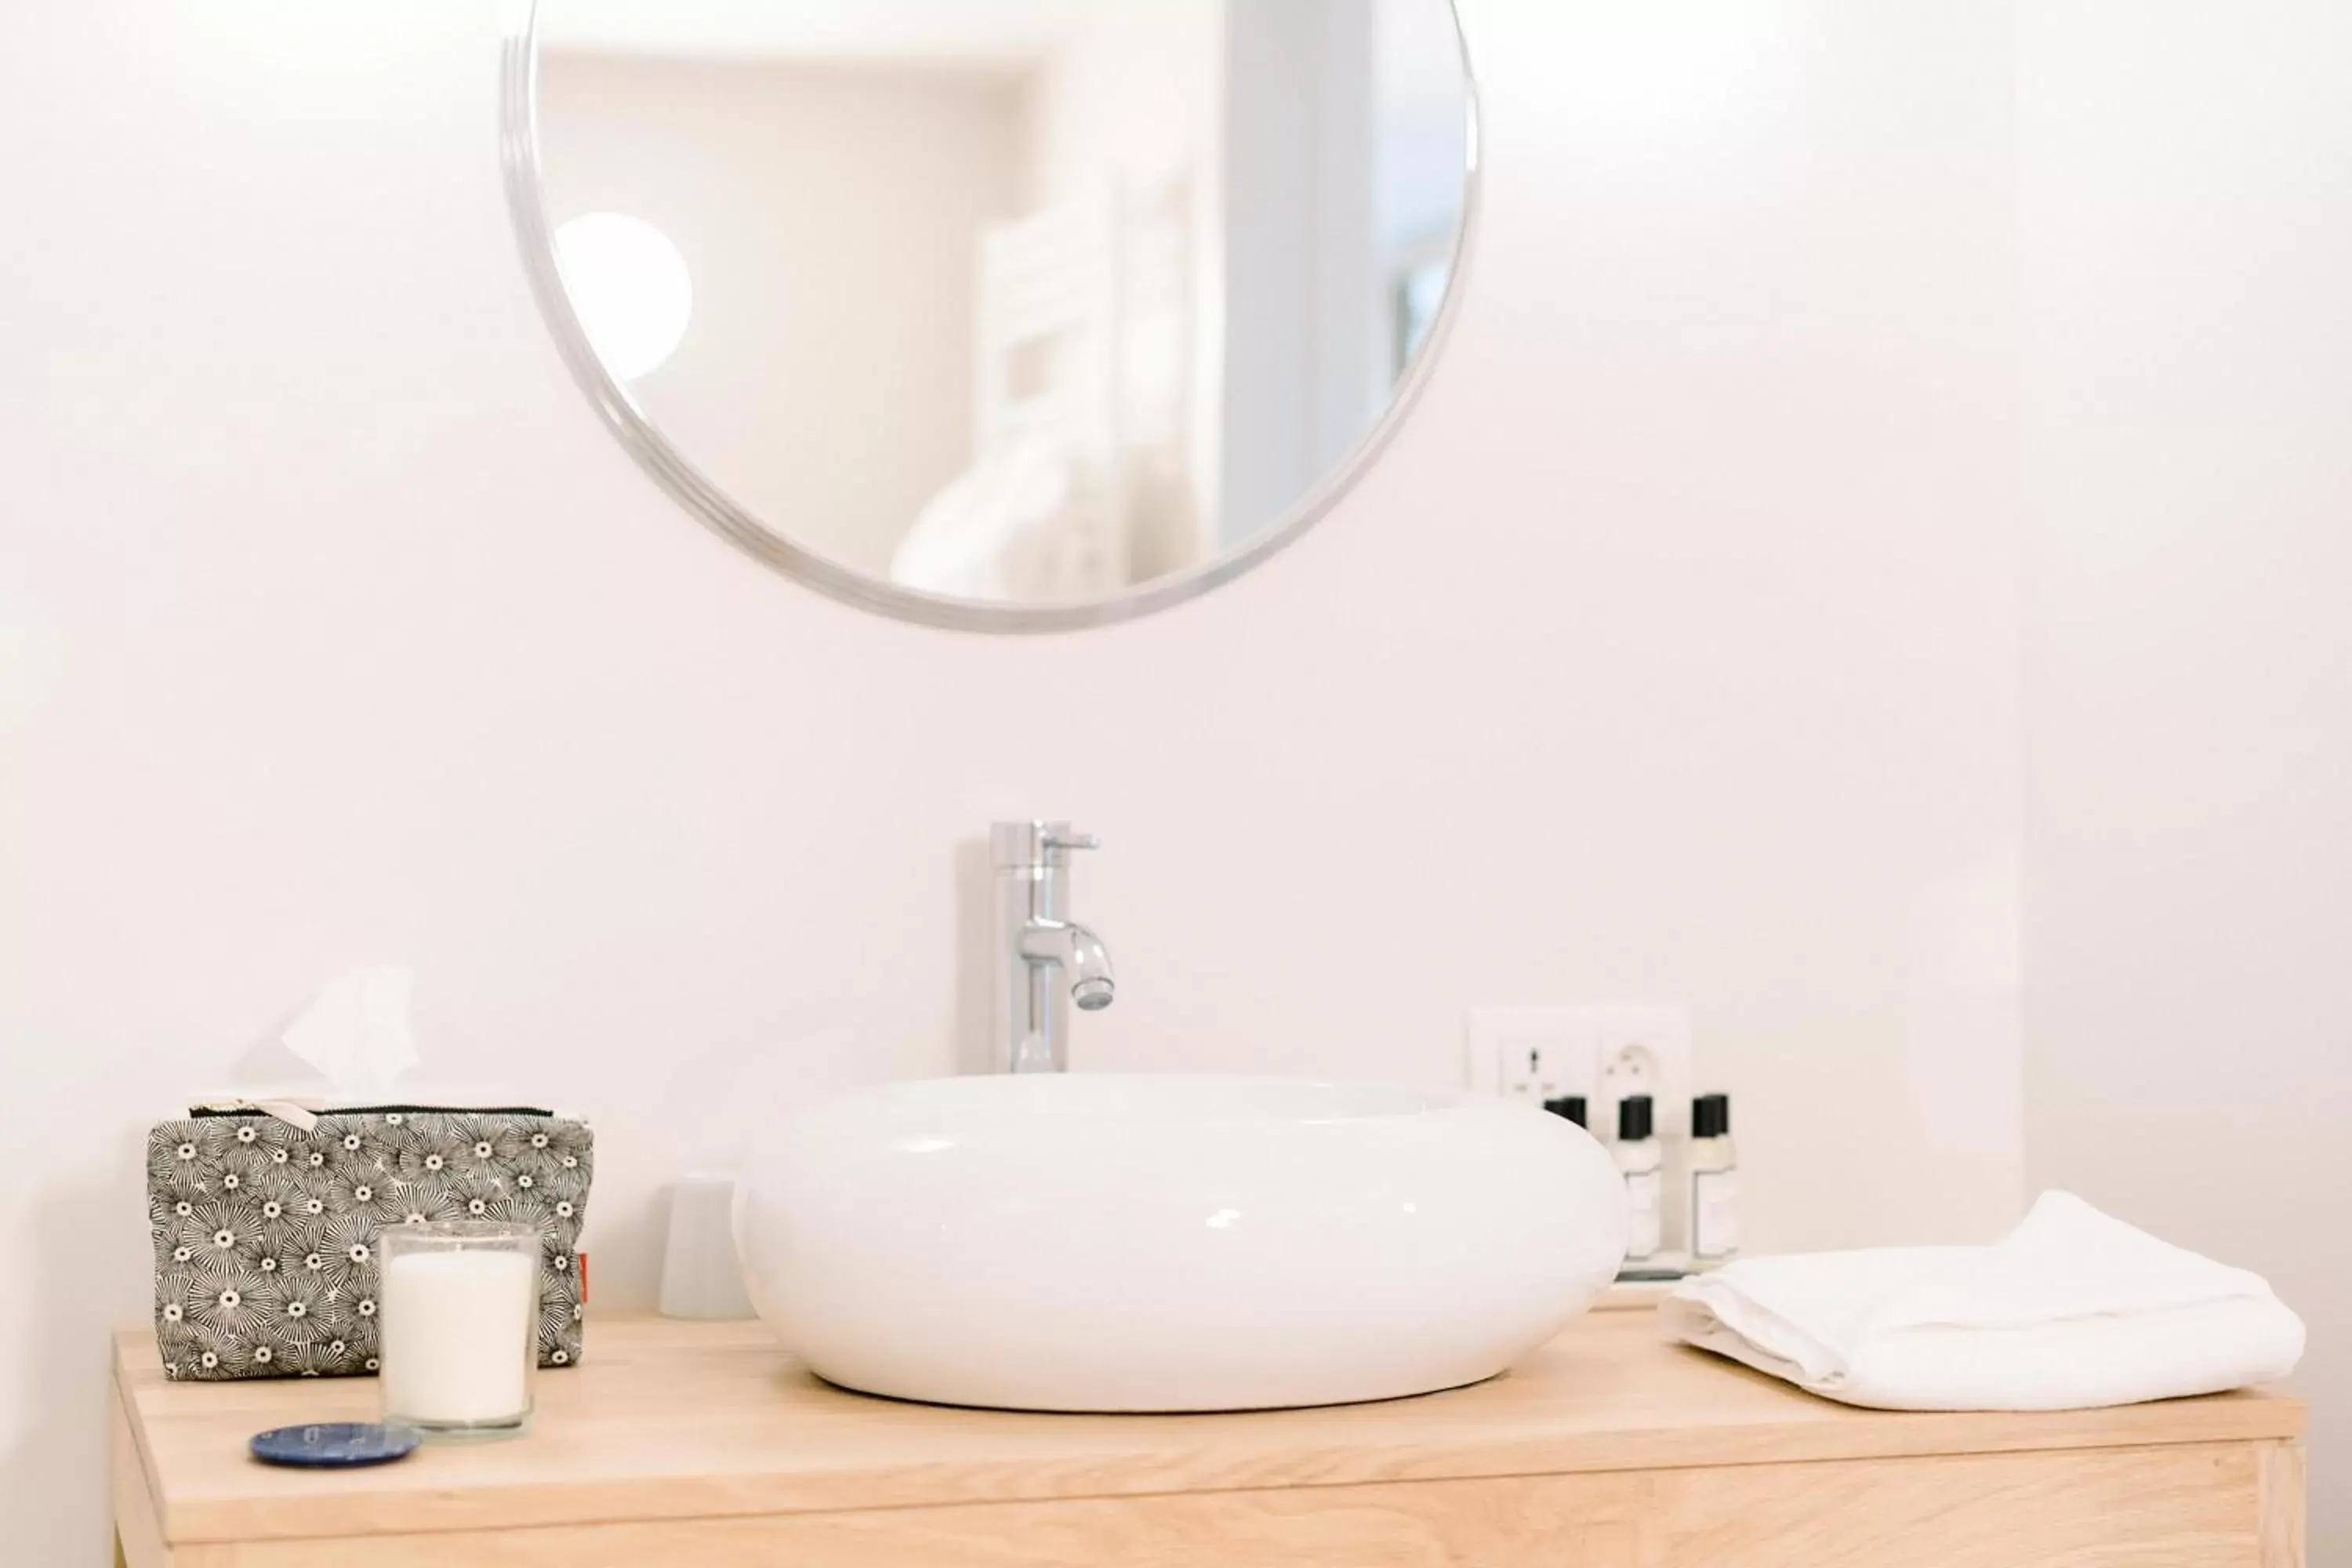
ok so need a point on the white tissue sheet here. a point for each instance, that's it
(2072, 1311)
(355, 1035)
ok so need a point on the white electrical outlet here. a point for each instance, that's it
(1533, 1054)
(1642, 1049)
(1606, 1054)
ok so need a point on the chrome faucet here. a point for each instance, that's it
(1044, 959)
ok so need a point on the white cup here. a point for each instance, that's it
(701, 1276)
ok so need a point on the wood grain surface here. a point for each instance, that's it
(2282, 1505)
(2191, 1506)
(706, 1439)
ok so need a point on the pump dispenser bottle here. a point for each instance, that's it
(1713, 1183)
(1637, 1155)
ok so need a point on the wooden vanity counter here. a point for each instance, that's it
(703, 1446)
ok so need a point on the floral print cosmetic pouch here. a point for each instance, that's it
(264, 1222)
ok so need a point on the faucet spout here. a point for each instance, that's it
(1046, 966)
(1079, 951)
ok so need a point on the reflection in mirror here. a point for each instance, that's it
(631, 288)
(1026, 304)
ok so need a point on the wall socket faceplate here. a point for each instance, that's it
(1532, 1053)
(1605, 1053)
(1643, 1049)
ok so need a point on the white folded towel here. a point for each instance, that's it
(2073, 1309)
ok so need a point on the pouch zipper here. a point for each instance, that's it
(306, 1116)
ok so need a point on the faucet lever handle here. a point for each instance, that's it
(1035, 846)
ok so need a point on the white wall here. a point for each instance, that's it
(1669, 652)
(2188, 242)
(830, 216)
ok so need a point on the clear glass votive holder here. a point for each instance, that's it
(458, 1328)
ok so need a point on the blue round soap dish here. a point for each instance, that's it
(335, 1446)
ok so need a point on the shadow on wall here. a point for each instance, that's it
(976, 982)
(81, 1280)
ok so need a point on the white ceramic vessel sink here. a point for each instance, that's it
(1114, 1242)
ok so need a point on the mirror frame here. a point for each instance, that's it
(519, 153)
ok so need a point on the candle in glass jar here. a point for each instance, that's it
(458, 1325)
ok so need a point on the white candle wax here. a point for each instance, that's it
(457, 1335)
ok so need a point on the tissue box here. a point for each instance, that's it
(265, 1229)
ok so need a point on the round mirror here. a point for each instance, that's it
(1004, 314)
